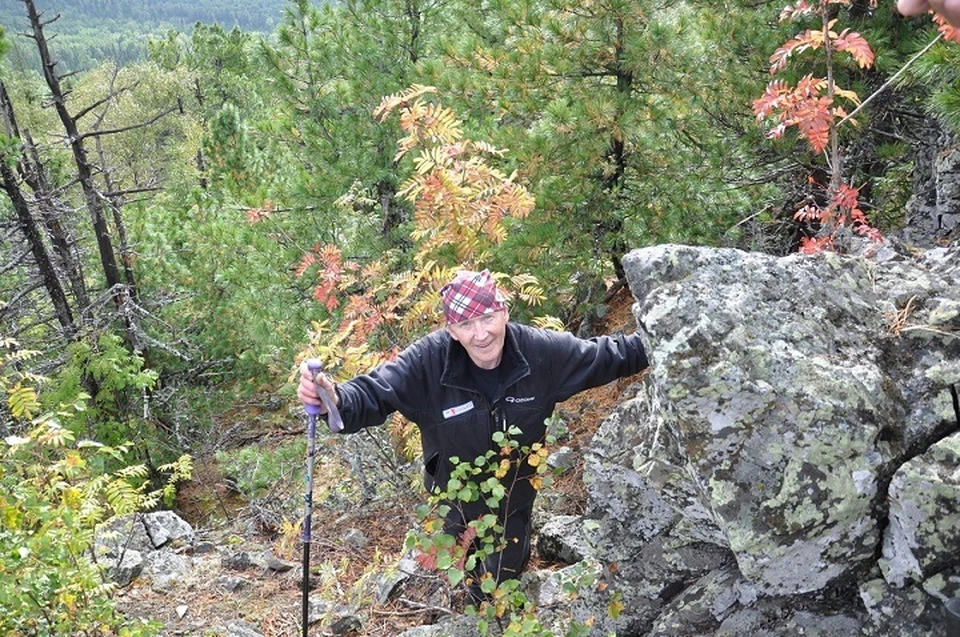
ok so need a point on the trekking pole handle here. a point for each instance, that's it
(334, 420)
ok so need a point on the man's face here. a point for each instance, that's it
(482, 337)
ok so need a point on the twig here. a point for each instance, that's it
(927, 328)
(892, 79)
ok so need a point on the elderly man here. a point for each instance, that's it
(479, 375)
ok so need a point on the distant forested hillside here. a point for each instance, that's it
(90, 31)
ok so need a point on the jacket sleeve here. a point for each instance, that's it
(579, 364)
(369, 399)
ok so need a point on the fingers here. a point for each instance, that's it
(949, 9)
(912, 7)
(307, 390)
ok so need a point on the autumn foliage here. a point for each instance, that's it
(461, 208)
(814, 106)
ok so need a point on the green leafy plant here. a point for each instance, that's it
(52, 496)
(107, 381)
(255, 470)
(458, 559)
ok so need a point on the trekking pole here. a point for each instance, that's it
(336, 424)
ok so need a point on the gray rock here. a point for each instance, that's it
(166, 526)
(793, 393)
(909, 611)
(123, 570)
(276, 564)
(355, 538)
(240, 628)
(346, 622)
(167, 568)
(924, 531)
(389, 581)
(231, 584)
(702, 607)
(122, 533)
(236, 561)
(563, 539)
(562, 460)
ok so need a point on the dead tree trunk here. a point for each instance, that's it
(84, 168)
(52, 209)
(31, 170)
(48, 273)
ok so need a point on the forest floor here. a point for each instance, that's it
(270, 602)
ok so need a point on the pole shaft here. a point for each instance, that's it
(308, 510)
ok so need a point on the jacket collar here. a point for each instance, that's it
(456, 370)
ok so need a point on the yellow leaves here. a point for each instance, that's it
(502, 468)
(616, 607)
(389, 103)
(538, 455)
(52, 434)
(459, 200)
(72, 497)
(849, 95)
(22, 401)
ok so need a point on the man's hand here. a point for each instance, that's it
(949, 9)
(307, 391)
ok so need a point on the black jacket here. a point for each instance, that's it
(431, 385)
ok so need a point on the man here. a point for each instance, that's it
(479, 375)
(949, 9)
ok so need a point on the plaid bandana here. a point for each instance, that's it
(469, 295)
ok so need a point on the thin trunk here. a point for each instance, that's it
(31, 232)
(51, 209)
(611, 226)
(84, 169)
(126, 252)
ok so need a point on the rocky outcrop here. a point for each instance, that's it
(794, 447)
(933, 212)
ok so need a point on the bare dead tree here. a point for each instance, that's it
(102, 197)
(85, 170)
(44, 263)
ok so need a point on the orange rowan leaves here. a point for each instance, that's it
(811, 105)
(857, 46)
(308, 259)
(950, 33)
(843, 210)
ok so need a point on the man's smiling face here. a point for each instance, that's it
(483, 337)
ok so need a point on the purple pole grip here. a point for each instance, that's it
(334, 420)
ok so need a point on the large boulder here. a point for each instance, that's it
(795, 387)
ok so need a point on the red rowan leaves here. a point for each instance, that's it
(857, 46)
(791, 12)
(811, 106)
(809, 40)
(806, 106)
(308, 259)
